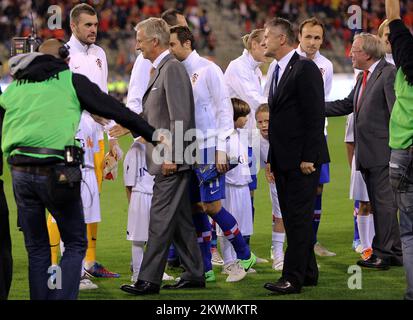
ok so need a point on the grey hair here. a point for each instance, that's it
(155, 28)
(371, 45)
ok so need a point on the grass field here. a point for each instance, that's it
(336, 233)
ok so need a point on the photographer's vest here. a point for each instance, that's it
(401, 120)
(42, 114)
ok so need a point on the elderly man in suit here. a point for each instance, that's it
(372, 100)
(297, 150)
(167, 103)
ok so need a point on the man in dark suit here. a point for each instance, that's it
(297, 150)
(167, 103)
(372, 101)
(6, 260)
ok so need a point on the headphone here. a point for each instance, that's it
(63, 50)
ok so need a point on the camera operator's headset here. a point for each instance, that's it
(63, 50)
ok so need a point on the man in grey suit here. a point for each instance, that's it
(168, 103)
(372, 101)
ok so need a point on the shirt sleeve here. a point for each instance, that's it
(243, 83)
(401, 41)
(222, 102)
(95, 101)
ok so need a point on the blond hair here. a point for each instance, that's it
(256, 35)
(383, 25)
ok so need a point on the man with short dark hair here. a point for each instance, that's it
(297, 150)
(174, 17)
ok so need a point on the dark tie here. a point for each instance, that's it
(274, 80)
(363, 87)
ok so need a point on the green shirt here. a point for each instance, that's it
(40, 114)
(401, 120)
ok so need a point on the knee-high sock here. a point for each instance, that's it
(54, 238)
(229, 227)
(253, 209)
(172, 253)
(317, 215)
(137, 257)
(355, 214)
(214, 243)
(228, 253)
(247, 239)
(203, 232)
(372, 231)
(278, 239)
(92, 232)
(364, 230)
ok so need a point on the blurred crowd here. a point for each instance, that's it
(118, 17)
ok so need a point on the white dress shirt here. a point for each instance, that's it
(138, 83)
(213, 108)
(243, 79)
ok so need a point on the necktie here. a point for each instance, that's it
(152, 72)
(363, 87)
(274, 80)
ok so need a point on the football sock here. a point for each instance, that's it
(355, 214)
(228, 253)
(203, 233)
(278, 239)
(92, 231)
(229, 227)
(54, 238)
(371, 229)
(214, 243)
(137, 257)
(317, 215)
(364, 228)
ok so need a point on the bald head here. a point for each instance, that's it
(51, 46)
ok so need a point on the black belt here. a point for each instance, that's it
(45, 151)
(37, 170)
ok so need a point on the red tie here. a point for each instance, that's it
(363, 86)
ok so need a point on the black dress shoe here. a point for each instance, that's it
(374, 262)
(141, 287)
(310, 283)
(183, 284)
(282, 287)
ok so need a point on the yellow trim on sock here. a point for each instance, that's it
(54, 238)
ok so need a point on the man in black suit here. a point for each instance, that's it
(297, 150)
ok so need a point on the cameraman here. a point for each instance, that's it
(42, 112)
(6, 261)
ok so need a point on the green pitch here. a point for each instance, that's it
(336, 233)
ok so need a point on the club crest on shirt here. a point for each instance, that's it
(99, 63)
(322, 70)
(194, 78)
(89, 142)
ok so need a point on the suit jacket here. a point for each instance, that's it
(169, 99)
(296, 128)
(371, 120)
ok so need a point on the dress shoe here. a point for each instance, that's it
(185, 284)
(310, 283)
(374, 262)
(141, 288)
(282, 287)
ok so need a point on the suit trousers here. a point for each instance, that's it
(386, 242)
(171, 220)
(296, 195)
(6, 260)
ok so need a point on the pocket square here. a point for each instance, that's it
(153, 89)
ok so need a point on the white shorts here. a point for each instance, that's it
(138, 216)
(358, 189)
(90, 196)
(276, 211)
(238, 202)
(129, 167)
(349, 134)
